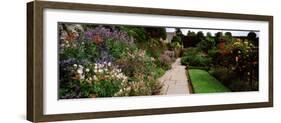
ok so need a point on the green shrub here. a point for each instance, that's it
(223, 74)
(79, 51)
(138, 33)
(154, 48)
(106, 88)
(176, 39)
(193, 57)
(165, 60)
(142, 73)
(206, 44)
(214, 52)
(116, 48)
(215, 55)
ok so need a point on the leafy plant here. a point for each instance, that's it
(223, 74)
(176, 39)
(193, 57)
(206, 44)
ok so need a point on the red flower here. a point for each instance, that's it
(71, 36)
(97, 39)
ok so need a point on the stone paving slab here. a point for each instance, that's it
(175, 80)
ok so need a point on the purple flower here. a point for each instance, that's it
(100, 34)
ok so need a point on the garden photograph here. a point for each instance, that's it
(103, 60)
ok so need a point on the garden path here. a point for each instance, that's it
(175, 80)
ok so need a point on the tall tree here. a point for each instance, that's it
(156, 32)
(218, 37)
(252, 36)
(179, 32)
(228, 34)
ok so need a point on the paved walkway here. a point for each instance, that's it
(175, 80)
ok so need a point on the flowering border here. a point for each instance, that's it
(35, 60)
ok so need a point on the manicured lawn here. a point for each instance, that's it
(203, 82)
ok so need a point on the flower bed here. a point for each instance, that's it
(104, 61)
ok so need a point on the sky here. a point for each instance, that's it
(234, 33)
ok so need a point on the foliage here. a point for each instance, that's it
(214, 53)
(156, 32)
(218, 37)
(192, 39)
(138, 33)
(252, 37)
(230, 58)
(150, 46)
(176, 39)
(200, 35)
(104, 61)
(179, 32)
(78, 50)
(140, 68)
(206, 43)
(116, 48)
(95, 80)
(228, 34)
(235, 60)
(164, 61)
(100, 34)
(193, 57)
(223, 74)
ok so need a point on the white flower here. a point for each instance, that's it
(95, 77)
(75, 65)
(87, 70)
(128, 89)
(109, 64)
(80, 71)
(100, 70)
(80, 66)
(82, 77)
(98, 65)
(62, 45)
(119, 70)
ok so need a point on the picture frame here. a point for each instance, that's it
(36, 53)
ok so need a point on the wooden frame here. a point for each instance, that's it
(35, 60)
